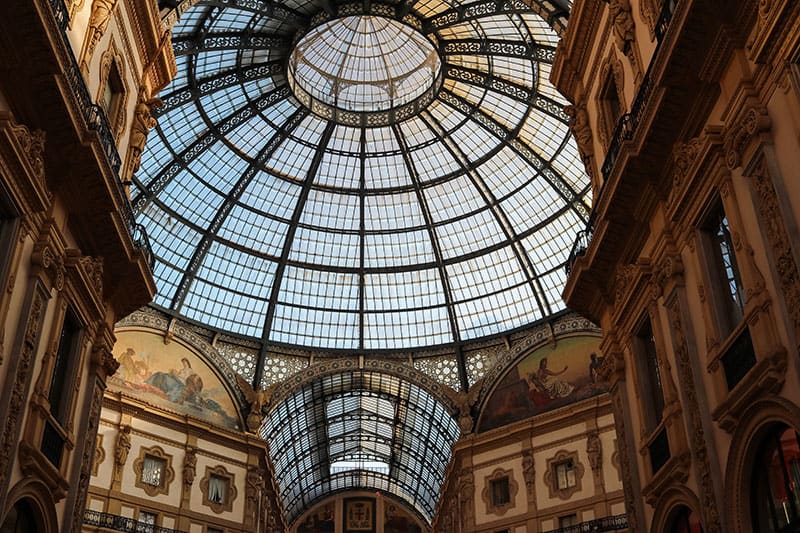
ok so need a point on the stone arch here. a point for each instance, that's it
(40, 500)
(672, 500)
(576, 327)
(757, 421)
(441, 393)
(197, 348)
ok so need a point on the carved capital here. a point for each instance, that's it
(49, 261)
(685, 154)
(32, 143)
(738, 136)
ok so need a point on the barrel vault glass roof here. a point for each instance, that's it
(360, 430)
(436, 217)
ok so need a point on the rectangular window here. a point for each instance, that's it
(153, 470)
(8, 227)
(147, 522)
(112, 94)
(724, 271)
(217, 489)
(500, 491)
(64, 367)
(565, 474)
(652, 392)
(568, 521)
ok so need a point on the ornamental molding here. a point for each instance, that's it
(780, 245)
(18, 380)
(550, 481)
(48, 255)
(627, 461)
(741, 133)
(697, 441)
(89, 456)
(167, 475)
(487, 496)
(226, 503)
(30, 146)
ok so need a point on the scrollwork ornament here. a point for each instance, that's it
(786, 268)
(685, 155)
(33, 145)
(622, 281)
(17, 397)
(89, 452)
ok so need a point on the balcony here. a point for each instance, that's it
(96, 120)
(609, 523)
(120, 523)
(579, 247)
(625, 129)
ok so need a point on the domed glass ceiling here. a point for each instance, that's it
(430, 198)
(363, 64)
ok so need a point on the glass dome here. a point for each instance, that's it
(430, 199)
(363, 64)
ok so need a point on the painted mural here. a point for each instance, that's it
(398, 521)
(548, 378)
(170, 376)
(320, 520)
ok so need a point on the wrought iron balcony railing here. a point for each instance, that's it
(627, 124)
(626, 127)
(120, 523)
(96, 120)
(609, 523)
(579, 246)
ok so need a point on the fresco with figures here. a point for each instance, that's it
(171, 376)
(396, 520)
(320, 521)
(550, 377)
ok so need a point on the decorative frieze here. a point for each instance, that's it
(788, 276)
(88, 457)
(698, 442)
(18, 383)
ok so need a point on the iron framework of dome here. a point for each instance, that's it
(440, 214)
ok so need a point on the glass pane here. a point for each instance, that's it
(152, 470)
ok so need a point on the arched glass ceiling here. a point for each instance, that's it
(359, 430)
(443, 219)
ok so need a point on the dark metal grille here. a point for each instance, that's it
(609, 523)
(120, 523)
(579, 247)
(738, 359)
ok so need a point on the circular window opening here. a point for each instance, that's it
(363, 64)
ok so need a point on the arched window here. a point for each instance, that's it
(20, 519)
(775, 489)
(684, 520)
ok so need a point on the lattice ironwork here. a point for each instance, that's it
(443, 369)
(359, 429)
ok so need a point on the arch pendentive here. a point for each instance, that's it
(359, 430)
